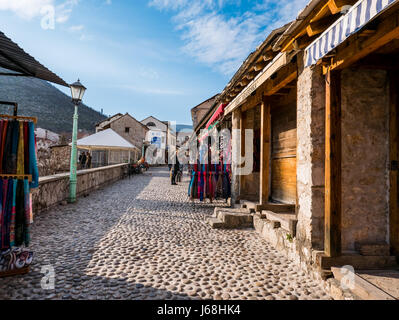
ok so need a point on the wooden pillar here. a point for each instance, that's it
(394, 167)
(235, 183)
(265, 140)
(243, 126)
(332, 244)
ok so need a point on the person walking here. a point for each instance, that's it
(88, 161)
(84, 159)
(80, 160)
(176, 168)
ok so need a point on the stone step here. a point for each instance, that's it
(235, 210)
(215, 223)
(249, 205)
(231, 218)
(359, 286)
(357, 261)
(287, 221)
(276, 207)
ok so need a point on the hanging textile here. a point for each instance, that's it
(208, 180)
(18, 175)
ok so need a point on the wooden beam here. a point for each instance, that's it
(284, 77)
(251, 75)
(302, 42)
(283, 92)
(332, 242)
(336, 6)
(320, 11)
(260, 66)
(319, 26)
(265, 119)
(360, 47)
(244, 82)
(394, 158)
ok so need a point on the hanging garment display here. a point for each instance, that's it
(18, 175)
(210, 181)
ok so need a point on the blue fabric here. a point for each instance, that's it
(33, 169)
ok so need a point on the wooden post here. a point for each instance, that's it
(243, 126)
(332, 243)
(394, 167)
(265, 138)
(235, 183)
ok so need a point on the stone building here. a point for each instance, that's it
(199, 112)
(127, 127)
(162, 135)
(321, 98)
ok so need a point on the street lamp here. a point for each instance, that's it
(77, 92)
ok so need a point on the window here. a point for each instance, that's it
(151, 124)
(127, 130)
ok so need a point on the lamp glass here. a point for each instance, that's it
(77, 91)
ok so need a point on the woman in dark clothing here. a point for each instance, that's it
(88, 161)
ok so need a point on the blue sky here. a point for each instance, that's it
(145, 57)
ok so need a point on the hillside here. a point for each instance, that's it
(52, 107)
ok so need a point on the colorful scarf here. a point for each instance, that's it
(21, 154)
(33, 169)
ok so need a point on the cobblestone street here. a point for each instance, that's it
(141, 238)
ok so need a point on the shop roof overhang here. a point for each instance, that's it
(358, 16)
(264, 80)
(251, 67)
(15, 59)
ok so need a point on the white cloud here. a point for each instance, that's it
(76, 28)
(223, 41)
(26, 9)
(29, 9)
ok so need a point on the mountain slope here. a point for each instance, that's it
(40, 99)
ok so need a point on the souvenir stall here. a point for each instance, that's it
(18, 176)
(211, 174)
(18, 162)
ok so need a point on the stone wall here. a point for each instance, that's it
(137, 131)
(365, 157)
(311, 157)
(54, 190)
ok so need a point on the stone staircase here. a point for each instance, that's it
(231, 218)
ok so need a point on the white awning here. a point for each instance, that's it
(105, 140)
(357, 17)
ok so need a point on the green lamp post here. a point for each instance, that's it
(77, 91)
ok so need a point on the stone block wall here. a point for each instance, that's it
(311, 157)
(365, 158)
(54, 190)
(137, 131)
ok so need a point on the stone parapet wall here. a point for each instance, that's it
(54, 190)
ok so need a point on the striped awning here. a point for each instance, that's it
(357, 17)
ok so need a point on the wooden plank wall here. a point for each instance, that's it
(284, 142)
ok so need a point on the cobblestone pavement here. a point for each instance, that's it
(142, 239)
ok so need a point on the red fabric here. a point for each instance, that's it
(219, 112)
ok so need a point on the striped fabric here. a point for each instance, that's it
(356, 18)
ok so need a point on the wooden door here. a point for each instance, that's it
(283, 164)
